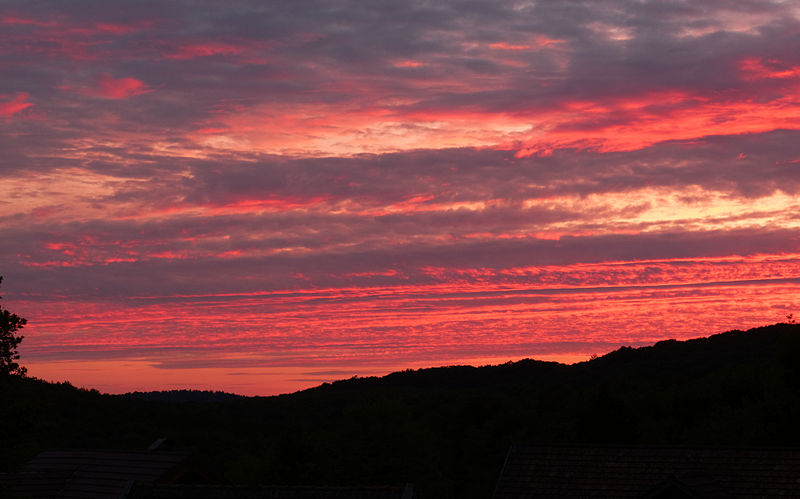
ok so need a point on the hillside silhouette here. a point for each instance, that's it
(184, 396)
(445, 429)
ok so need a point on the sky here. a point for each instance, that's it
(260, 196)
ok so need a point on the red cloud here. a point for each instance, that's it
(122, 88)
(16, 104)
(755, 68)
(408, 64)
(205, 49)
(113, 28)
(635, 122)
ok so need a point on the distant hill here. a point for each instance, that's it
(183, 396)
(445, 429)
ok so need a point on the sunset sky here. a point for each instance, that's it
(259, 196)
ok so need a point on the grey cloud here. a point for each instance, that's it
(713, 163)
(321, 40)
(330, 269)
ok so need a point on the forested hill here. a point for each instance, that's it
(184, 396)
(447, 429)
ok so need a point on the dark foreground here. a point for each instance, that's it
(446, 430)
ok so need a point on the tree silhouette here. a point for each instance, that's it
(10, 324)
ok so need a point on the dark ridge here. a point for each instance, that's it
(197, 396)
(447, 430)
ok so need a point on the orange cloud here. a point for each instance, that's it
(508, 46)
(540, 41)
(408, 64)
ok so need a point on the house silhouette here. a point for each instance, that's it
(648, 472)
(155, 474)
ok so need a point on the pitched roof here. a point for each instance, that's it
(34, 485)
(152, 491)
(93, 474)
(641, 471)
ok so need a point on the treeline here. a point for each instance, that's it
(447, 429)
(183, 396)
